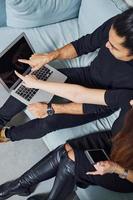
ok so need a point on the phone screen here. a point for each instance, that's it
(96, 155)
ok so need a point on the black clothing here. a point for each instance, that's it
(42, 196)
(67, 172)
(11, 188)
(105, 72)
(98, 140)
(39, 127)
(55, 164)
(64, 183)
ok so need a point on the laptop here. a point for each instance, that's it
(21, 48)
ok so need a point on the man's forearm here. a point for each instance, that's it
(66, 52)
(69, 108)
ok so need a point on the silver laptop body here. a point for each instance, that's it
(21, 48)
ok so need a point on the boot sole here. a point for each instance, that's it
(23, 193)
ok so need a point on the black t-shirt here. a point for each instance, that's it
(107, 72)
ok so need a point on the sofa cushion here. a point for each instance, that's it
(49, 38)
(2, 13)
(121, 4)
(46, 39)
(93, 13)
(129, 2)
(33, 13)
(100, 193)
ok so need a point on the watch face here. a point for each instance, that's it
(50, 111)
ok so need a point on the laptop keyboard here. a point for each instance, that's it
(27, 93)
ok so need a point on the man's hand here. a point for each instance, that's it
(36, 61)
(104, 167)
(39, 110)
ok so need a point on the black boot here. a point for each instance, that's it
(42, 196)
(43, 170)
(13, 187)
(64, 183)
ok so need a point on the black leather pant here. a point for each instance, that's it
(55, 164)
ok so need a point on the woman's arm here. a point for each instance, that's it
(130, 175)
(80, 94)
(108, 166)
(72, 92)
(120, 171)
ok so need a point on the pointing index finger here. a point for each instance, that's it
(92, 173)
(25, 61)
(19, 75)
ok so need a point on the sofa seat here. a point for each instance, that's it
(100, 193)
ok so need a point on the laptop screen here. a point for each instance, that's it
(9, 62)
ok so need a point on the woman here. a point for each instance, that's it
(69, 164)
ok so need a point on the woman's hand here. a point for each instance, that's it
(104, 167)
(36, 61)
(30, 81)
(131, 102)
(39, 110)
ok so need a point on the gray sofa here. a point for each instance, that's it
(89, 15)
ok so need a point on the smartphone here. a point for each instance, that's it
(96, 155)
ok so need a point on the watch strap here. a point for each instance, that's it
(49, 106)
(124, 175)
(50, 110)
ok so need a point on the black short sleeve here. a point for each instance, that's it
(98, 110)
(118, 98)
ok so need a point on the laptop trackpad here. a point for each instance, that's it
(41, 96)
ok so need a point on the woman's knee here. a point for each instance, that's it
(70, 151)
(68, 147)
(71, 155)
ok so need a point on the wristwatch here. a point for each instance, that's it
(124, 175)
(50, 110)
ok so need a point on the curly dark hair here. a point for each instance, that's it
(123, 26)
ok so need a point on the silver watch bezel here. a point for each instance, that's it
(50, 110)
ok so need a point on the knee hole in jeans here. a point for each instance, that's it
(71, 154)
